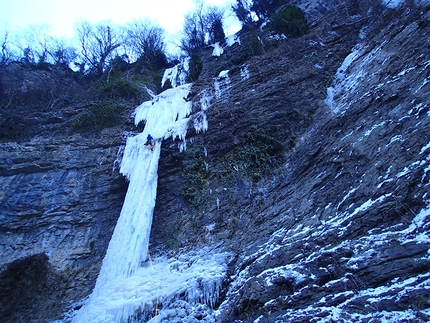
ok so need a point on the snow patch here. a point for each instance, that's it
(287, 272)
(218, 50)
(232, 39)
(205, 100)
(342, 81)
(424, 148)
(222, 85)
(340, 221)
(398, 138)
(368, 132)
(244, 72)
(223, 74)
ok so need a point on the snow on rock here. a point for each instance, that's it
(244, 72)
(232, 39)
(223, 74)
(351, 232)
(205, 99)
(329, 269)
(218, 50)
(222, 85)
(344, 81)
(392, 3)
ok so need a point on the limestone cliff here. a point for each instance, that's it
(338, 231)
(313, 173)
(60, 193)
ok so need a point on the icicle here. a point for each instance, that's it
(182, 146)
(177, 75)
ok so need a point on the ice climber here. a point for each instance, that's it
(149, 142)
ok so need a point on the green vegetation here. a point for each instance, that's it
(290, 21)
(256, 156)
(196, 183)
(114, 91)
(252, 45)
(120, 89)
(114, 86)
(98, 116)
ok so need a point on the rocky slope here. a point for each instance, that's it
(339, 231)
(313, 174)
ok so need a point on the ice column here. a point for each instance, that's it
(165, 116)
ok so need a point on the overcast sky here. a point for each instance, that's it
(62, 15)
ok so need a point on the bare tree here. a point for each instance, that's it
(98, 43)
(194, 32)
(202, 26)
(42, 41)
(34, 43)
(213, 19)
(6, 54)
(193, 35)
(61, 53)
(146, 41)
(36, 46)
(242, 9)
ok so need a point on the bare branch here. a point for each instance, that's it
(98, 44)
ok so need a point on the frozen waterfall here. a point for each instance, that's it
(127, 283)
(128, 247)
(129, 244)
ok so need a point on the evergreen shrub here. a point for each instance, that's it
(258, 155)
(290, 21)
(252, 45)
(195, 190)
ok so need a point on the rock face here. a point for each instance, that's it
(50, 185)
(60, 196)
(314, 174)
(339, 232)
(347, 232)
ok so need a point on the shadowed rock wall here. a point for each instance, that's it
(60, 194)
(339, 230)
